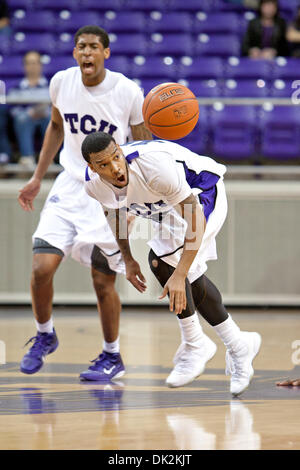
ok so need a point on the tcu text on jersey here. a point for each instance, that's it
(87, 124)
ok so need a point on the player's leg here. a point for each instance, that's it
(242, 346)
(108, 364)
(46, 259)
(196, 349)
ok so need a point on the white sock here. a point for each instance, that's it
(45, 327)
(230, 334)
(191, 330)
(113, 347)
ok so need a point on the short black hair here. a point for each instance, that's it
(93, 29)
(95, 142)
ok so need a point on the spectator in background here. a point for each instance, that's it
(28, 118)
(4, 18)
(5, 148)
(293, 35)
(266, 35)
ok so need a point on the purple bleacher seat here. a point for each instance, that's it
(289, 7)
(74, 20)
(130, 44)
(169, 22)
(11, 66)
(280, 132)
(42, 42)
(245, 88)
(102, 5)
(197, 140)
(283, 88)
(58, 63)
(11, 83)
(148, 83)
(234, 132)
(118, 63)
(171, 44)
(285, 68)
(5, 44)
(124, 22)
(145, 5)
(200, 67)
(203, 88)
(190, 5)
(153, 67)
(65, 44)
(20, 4)
(225, 5)
(216, 23)
(33, 21)
(56, 5)
(246, 68)
(217, 45)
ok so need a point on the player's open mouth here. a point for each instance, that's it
(88, 66)
(121, 179)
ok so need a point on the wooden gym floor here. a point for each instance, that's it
(54, 410)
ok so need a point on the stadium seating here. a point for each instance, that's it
(124, 22)
(197, 140)
(280, 132)
(246, 68)
(153, 67)
(169, 22)
(216, 23)
(194, 42)
(33, 21)
(234, 132)
(70, 22)
(23, 42)
(220, 45)
(200, 67)
(245, 88)
(170, 44)
(11, 66)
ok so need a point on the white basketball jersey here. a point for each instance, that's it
(161, 174)
(112, 106)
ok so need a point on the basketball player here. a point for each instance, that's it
(152, 179)
(84, 99)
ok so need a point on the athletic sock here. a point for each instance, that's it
(113, 347)
(191, 330)
(230, 334)
(45, 327)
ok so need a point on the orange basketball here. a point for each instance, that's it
(170, 111)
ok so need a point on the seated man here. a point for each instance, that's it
(184, 194)
(28, 118)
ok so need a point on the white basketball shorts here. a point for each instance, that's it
(74, 222)
(168, 242)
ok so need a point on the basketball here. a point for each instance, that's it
(170, 111)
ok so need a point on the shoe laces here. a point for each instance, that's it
(103, 360)
(40, 341)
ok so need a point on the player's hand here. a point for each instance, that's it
(286, 383)
(135, 276)
(175, 287)
(28, 194)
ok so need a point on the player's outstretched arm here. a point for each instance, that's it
(175, 286)
(133, 270)
(52, 142)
